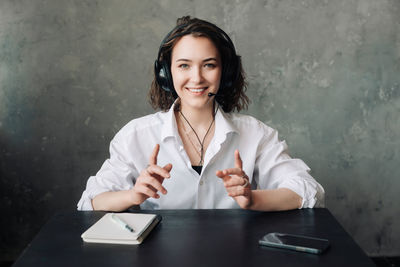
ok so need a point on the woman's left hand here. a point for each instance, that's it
(237, 183)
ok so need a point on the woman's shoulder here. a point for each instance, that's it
(243, 121)
(254, 129)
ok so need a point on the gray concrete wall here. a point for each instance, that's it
(324, 73)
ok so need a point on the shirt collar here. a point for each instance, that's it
(169, 128)
(223, 124)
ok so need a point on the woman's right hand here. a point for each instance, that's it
(150, 180)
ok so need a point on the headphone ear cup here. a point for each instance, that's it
(163, 76)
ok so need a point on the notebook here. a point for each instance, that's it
(108, 230)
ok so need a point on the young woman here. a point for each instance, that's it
(197, 153)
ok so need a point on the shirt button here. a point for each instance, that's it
(201, 182)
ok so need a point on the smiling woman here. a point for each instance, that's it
(197, 153)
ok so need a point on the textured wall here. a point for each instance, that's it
(324, 73)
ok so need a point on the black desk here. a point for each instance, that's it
(196, 238)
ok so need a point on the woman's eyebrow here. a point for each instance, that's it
(188, 60)
(210, 59)
(183, 59)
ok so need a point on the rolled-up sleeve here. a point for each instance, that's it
(277, 169)
(117, 173)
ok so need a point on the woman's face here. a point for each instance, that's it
(196, 71)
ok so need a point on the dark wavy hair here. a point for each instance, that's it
(229, 98)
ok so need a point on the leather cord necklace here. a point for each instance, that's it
(198, 138)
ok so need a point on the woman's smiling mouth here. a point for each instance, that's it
(196, 90)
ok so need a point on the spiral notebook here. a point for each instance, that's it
(107, 230)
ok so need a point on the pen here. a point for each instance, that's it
(120, 222)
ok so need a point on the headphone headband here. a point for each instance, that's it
(203, 29)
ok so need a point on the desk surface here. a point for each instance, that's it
(196, 238)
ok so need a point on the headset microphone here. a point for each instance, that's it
(211, 94)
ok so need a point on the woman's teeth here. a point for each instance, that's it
(197, 90)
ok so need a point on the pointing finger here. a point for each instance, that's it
(154, 154)
(238, 160)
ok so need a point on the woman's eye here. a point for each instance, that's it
(210, 66)
(183, 66)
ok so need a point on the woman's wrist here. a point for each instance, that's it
(133, 197)
(250, 205)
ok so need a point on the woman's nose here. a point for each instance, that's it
(197, 76)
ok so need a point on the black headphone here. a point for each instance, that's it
(230, 70)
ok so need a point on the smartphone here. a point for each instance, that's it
(295, 242)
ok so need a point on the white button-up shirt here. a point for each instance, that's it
(265, 161)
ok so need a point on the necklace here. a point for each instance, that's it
(198, 138)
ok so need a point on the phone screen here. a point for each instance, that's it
(295, 242)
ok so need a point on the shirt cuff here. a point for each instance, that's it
(312, 194)
(85, 203)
